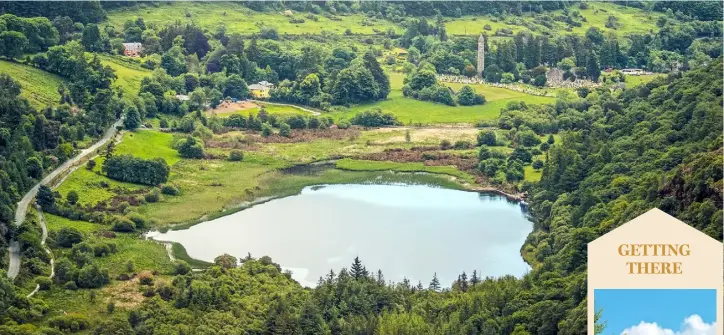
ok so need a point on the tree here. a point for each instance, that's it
(266, 129)
(190, 147)
(68, 236)
(34, 167)
(463, 282)
(114, 326)
(284, 129)
(226, 261)
(129, 266)
(92, 40)
(468, 97)
(474, 280)
(487, 137)
(236, 87)
(132, 119)
(435, 283)
(537, 164)
(311, 321)
(45, 197)
(593, 69)
(358, 270)
(72, 197)
(12, 44)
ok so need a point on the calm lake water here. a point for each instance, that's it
(407, 231)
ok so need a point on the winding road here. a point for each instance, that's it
(22, 209)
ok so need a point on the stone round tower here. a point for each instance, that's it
(481, 55)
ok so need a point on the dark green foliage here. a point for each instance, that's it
(44, 283)
(226, 261)
(181, 267)
(123, 225)
(136, 170)
(191, 147)
(132, 119)
(67, 236)
(487, 137)
(45, 197)
(266, 130)
(374, 118)
(236, 155)
(69, 323)
(169, 190)
(114, 326)
(468, 97)
(284, 130)
(72, 197)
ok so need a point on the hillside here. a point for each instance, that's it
(38, 86)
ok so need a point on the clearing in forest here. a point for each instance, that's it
(38, 86)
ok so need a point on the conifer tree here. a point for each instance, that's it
(463, 281)
(435, 283)
(474, 280)
(358, 270)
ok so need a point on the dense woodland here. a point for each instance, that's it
(620, 154)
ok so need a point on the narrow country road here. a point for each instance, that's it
(23, 204)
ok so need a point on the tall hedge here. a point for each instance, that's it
(136, 170)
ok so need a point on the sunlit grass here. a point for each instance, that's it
(38, 86)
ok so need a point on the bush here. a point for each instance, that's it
(487, 137)
(445, 145)
(43, 283)
(236, 156)
(285, 130)
(152, 196)
(344, 124)
(67, 236)
(462, 145)
(145, 278)
(71, 285)
(90, 165)
(374, 118)
(136, 170)
(181, 267)
(538, 164)
(123, 225)
(468, 97)
(191, 147)
(69, 323)
(92, 276)
(72, 197)
(140, 221)
(266, 130)
(170, 190)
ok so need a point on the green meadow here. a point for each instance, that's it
(38, 86)
(414, 111)
(239, 19)
(128, 72)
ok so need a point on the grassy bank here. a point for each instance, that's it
(38, 86)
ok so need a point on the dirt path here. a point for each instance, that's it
(315, 113)
(44, 227)
(20, 212)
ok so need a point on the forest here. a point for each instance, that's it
(364, 92)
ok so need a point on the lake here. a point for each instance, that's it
(407, 231)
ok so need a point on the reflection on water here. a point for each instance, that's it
(406, 231)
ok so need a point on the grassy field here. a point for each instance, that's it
(240, 19)
(631, 21)
(414, 111)
(364, 165)
(129, 74)
(89, 184)
(38, 86)
(632, 81)
(278, 110)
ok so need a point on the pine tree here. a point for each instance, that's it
(380, 278)
(358, 270)
(435, 283)
(311, 322)
(474, 280)
(463, 281)
(45, 197)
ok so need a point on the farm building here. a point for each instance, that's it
(261, 89)
(132, 49)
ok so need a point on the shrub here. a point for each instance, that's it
(71, 285)
(181, 267)
(169, 190)
(140, 221)
(236, 156)
(67, 236)
(69, 323)
(461, 145)
(538, 164)
(285, 130)
(136, 170)
(92, 276)
(90, 165)
(266, 130)
(468, 97)
(374, 118)
(445, 145)
(487, 137)
(344, 124)
(145, 278)
(123, 225)
(152, 196)
(43, 283)
(190, 147)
